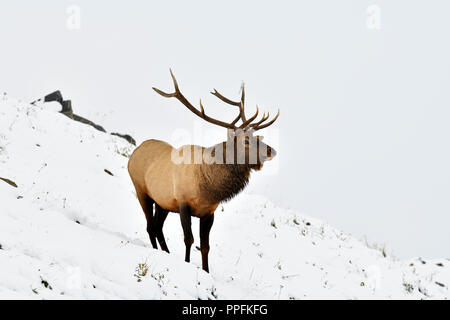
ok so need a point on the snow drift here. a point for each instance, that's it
(72, 228)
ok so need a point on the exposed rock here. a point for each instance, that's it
(126, 137)
(11, 183)
(88, 122)
(55, 96)
(67, 110)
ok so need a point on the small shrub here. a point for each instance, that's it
(273, 224)
(214, 292)
(159, 277)
(408, 287)
(124, 152)
(141, 271)
(379, 247)
(46, 284)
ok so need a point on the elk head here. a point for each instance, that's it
(242, 146)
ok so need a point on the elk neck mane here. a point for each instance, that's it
(220, 182)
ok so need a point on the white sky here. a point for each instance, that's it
(363, 138)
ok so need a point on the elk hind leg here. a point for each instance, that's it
(147, 206)
(158, 220)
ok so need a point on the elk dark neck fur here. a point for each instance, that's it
(221, 182)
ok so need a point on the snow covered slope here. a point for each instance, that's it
(72, 230)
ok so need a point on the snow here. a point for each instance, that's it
(72, 231)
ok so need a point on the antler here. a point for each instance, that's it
(177, 94)
(238, 104)
(246, 123)
(259, 125)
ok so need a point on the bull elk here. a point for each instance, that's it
(194, 180)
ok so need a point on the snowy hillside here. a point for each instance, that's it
(72, 228)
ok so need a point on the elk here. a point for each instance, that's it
(193, 180)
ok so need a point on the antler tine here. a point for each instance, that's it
(264, 118)
(175, 84)
(239, 104)
(242, 105)
(201, 108)
(236, 120)
(258, 126)
(225, 99)
(177, 94)
(246, 123)
(242, 112)
(243, 93)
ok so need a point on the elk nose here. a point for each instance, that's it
(271, 153)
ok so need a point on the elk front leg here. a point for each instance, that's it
(185, 216)
(206, 223)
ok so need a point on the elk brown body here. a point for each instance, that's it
(193, 180)
(169, 184)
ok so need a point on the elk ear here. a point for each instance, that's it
(230, 134)
(250, 132)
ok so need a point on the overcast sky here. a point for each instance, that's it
(363, 136)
